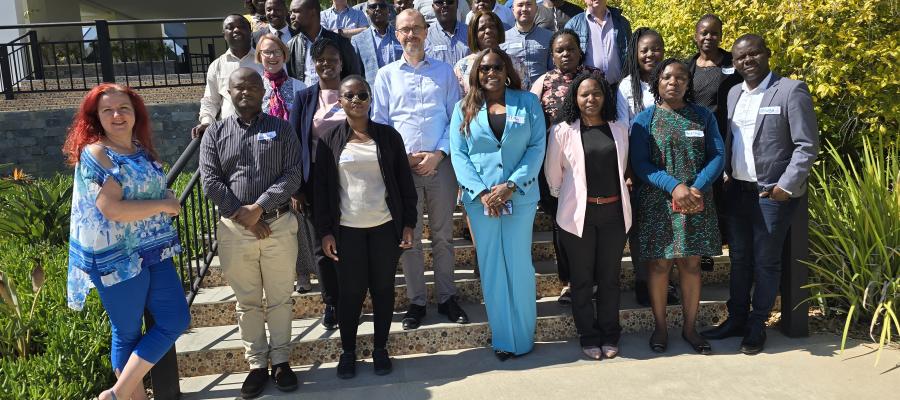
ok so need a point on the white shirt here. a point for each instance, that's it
(743, 127)
(215, 96)
(285, 32)
(625, 110)
(361, 187)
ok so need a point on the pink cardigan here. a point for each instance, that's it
(564, 169)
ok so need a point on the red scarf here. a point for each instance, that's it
(277, 105)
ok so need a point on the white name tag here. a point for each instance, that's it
(265, 136)
(728, 70)
(440, 47)
(346, 158)
(336, 109)
(516, 119)
(693, 133)
(517, 45)
(774, 110)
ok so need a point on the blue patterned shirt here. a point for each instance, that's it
(446, 47)
(348, 18)
(116, 251)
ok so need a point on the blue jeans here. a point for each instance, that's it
(756, 229)
(158, 289)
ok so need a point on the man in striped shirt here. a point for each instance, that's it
(250, 166)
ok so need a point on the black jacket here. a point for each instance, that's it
(398, 181)
(296, 62)
(722, 95)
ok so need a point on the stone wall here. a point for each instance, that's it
(32, 140)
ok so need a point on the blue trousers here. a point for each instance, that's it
(157, 289)
(507, 274)
(756, 229)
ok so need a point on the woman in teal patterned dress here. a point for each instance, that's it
(676, 148)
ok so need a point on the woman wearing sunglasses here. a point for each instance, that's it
(365, 198)
(497, 138)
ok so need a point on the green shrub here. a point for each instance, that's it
(855, 238)
(68, 350)
(36, 211)
(845, 50)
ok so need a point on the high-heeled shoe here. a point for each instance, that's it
(701, 348)
(610, 351)
(592, 352)
(658, 347)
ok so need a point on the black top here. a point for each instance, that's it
(601, 161)
(398, 181)
(711, 85)
(497, 123)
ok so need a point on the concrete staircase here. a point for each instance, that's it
(212, 346)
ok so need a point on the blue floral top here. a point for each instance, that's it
(115, 251)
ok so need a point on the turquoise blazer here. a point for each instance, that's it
(480, 161)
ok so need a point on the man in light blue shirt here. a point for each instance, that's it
(343, 19)
(528, 42)
(416, 95)
(447, 37)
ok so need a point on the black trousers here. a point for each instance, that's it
(596, 259)
(325, 270)
(548, 205)
(367, 261)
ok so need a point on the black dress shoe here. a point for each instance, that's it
(453, 311)
(707, 263)
(754, 341)
(329, 318)
(346, 368)
(641, 293)
(382, 361)
(413, 318)
(503, 355)
(672, 295)
(254, 383)
(727, 329)
(285, 379)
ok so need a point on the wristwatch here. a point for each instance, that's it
(511, 185)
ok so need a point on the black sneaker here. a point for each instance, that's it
(329, 318)
(382, 361)
(413, 318)
(254, 383)
(346, 368)
(284, 377)
(453, 311)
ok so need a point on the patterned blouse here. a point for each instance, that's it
(116, 251)
(290, 87)
(554, 88)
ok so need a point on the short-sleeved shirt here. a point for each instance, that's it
(115, 251)
(532, 48)
(447, 47)
(348, 18)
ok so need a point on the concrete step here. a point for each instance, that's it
(218, 349)
(215, 306)
(542, 223)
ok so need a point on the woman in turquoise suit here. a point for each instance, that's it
(497, 140)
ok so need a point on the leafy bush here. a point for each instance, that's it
(845, 50)
(68, 351)
(36, 211)
(855, 238)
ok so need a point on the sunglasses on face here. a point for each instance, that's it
(444, 3)
(361, 96)
(486, 68)
(377, 6)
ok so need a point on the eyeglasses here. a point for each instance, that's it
(411, 30)
(361, 96)
(377, 6)
(444, 3)
(272, 53)
(486, 68)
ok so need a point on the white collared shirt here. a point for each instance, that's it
(215, 96)
(285, 32)
(743, 127)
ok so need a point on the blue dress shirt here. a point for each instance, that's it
(349, 18)
(532, 49)
(446, 47)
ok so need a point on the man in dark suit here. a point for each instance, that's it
(276, 15)
(306, 20)
(771, 143)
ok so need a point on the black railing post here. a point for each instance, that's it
(210, 53)
(186, 53)
(795, 274)
(104, 51)
(164, 374)
(6, 72)
(37, 62)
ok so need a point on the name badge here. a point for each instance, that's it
(440, 47)
(693, 133)
(336, 109)
(346, 158)
(516, 119)
(774, 110)
(262, 136)
(517, 45)
(728, 71)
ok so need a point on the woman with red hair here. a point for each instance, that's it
(121, 240)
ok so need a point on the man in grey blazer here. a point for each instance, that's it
(378, 45)
(771, 143)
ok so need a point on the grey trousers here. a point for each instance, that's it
(438, 192)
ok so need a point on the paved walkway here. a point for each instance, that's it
(793, 369)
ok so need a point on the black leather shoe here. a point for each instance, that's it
(329, 318)
(641, 293)
(346, 368)
(503, 355)
(453, 311)
(285, 379)
(754, 341)
(727, 329)
(382, 361)
(707, 263)
(672, 295)
(254, 383)
(413, 318)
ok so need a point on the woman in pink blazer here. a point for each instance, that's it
(594, 209)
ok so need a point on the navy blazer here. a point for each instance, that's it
(306, 102)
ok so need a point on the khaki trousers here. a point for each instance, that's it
(262, 274)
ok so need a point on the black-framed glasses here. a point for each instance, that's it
(411, 30)
(444, 3)
(377, 6)
(361, 96)
(486, 68)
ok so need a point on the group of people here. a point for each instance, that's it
(361, 125)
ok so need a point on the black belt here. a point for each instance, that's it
(745, 186)
(277, 212)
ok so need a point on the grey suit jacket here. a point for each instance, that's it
(365, 51)
(786, 144)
